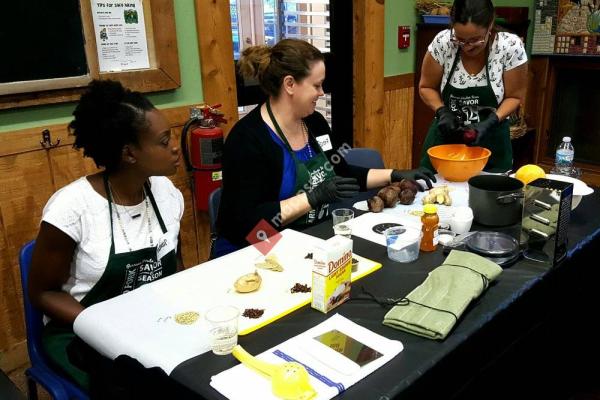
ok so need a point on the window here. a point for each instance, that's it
(266, 22)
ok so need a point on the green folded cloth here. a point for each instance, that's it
(432, 308)
(551, 215)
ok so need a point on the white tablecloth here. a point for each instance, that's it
(141, 323)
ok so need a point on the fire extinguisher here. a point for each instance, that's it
(203, 159)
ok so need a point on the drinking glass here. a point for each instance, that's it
(223, 328)
(340, 218)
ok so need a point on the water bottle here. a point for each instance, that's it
(564, 157)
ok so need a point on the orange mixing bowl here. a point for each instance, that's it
(457, 162)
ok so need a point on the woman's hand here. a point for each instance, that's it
(334, 189)
(447, 123)
(483, 128)
(413, 175)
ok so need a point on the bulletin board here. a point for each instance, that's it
(53, 53)
(567, 27)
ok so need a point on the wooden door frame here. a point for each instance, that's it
(215, 46)
(368, 79)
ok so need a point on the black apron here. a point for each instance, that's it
(123, 273)
(309, 175)
(472, 105)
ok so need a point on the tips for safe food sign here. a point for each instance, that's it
(120, 35)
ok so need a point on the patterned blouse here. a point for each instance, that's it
(507, 52)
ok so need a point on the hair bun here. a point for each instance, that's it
(254, 61)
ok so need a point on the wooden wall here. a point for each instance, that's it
(29, 175)
(383, 107)
(368, 73)
(396, 146)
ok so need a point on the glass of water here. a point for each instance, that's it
(222, 328)
(341, 216)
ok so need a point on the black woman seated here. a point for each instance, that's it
(113, 231)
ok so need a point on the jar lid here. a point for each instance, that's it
(429, 209)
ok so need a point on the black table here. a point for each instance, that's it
(527, 331)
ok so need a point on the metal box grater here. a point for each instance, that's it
(546, 212)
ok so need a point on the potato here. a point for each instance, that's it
(389, 196)
(409, 184)
(375, 204)
(407, 196)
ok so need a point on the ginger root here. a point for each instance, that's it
(439, 195)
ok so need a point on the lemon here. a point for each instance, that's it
(530, 172)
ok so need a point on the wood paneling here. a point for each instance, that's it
(189, 239)
(68, 164)
(21, 141)
(368, 74)
(396, 82)
(213, 24)
(29, 175)
(398, 123)
(25, 186)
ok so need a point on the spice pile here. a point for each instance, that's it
(300, 288)
(253, 313)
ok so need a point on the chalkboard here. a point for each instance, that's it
(41, 39)
(48, 51)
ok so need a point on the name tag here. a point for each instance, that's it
(325, 142)
(164, 246)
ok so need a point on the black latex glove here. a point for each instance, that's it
(483, 128)
(448, 124)
(413, 175)
(332, 190)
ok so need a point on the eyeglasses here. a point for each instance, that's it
(473, 43)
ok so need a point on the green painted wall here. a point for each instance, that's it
(402, 12)
(189, 92)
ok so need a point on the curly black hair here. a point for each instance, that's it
(107, 118)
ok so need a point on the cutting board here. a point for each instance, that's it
(212, 283)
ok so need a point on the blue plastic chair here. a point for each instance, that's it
(59, 387)
(214, 199)
(364, 157)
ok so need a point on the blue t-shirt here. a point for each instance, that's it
(288, 178)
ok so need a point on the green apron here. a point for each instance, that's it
(123, 273)
(472, 105)
(309, 175)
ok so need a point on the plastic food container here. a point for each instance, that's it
(403, 243)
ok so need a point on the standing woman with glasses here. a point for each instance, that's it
(473, 77)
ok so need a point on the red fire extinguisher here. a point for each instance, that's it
(203, 160)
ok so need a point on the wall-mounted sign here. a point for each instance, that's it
(120, 35)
